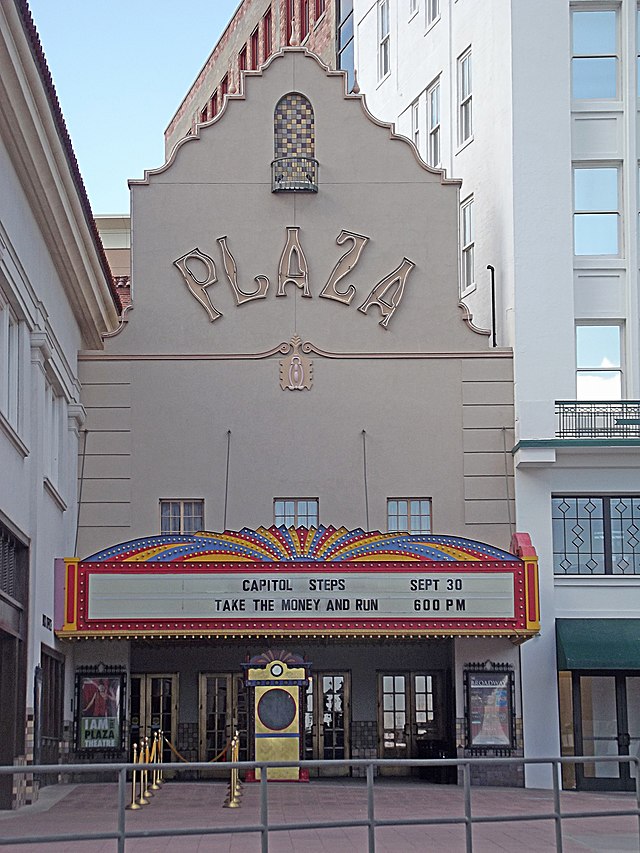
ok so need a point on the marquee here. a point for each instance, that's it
(293, 582)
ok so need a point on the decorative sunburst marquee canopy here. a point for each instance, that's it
(283, 582)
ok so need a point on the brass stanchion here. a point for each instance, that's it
(142, 799)
(154, 760)
(133, 804)
(233, 797)
(147, 790)
(161, 741)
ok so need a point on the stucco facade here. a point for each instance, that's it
(296, 345)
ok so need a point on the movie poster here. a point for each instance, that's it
(489, 709)
(99, 713)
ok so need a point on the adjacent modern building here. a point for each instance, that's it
(547, 150)
(56, 298)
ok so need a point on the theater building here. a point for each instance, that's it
(296, 374)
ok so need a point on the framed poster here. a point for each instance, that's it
(489, 707)
(99, 709)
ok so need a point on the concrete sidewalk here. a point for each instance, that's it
(92, 808)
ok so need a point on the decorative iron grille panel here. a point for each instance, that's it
(12, 566)
(598, 419)
(596, 535)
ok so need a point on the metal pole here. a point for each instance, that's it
(468, 826)
(370, 810)
(226, 481)
(556, 805)
(264, 811)
(366, 485)
(122, 801)
(492, 270)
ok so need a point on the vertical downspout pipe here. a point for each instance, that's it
(492, 270)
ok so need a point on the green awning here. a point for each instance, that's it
(598, 643)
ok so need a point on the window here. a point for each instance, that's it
(304, 20)
(467, 266)
(345, 40)
(596, 218)
(413, 7)
(411, 515)
(384, 45)
(433, 11)
(255, 48)
(204, 113)
(289, 14)
(596, 535)
(415, 123)
(54, 434)
(267, 37)
(242, 59)
(295, 512)
(598, 359)
(181, 516)
(224, 88)
(10, 364)
(213, 104)
(594, 63)
(433, 119)
(14, 566)
(51, 712)
(320, 7)
(465, 116)
(294, 167)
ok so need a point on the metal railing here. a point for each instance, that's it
(598, 419)
(297, 174)
(264, 827)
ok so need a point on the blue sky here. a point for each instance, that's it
(121, 68)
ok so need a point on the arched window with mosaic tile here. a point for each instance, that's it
(294, 167)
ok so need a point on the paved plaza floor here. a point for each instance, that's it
(92, 808)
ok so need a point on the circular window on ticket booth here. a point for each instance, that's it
(277, 709)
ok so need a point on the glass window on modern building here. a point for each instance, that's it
(596, 535)
(433, 11)
(465, 98)
(410, 515)
(295, 512)
(597, 216)
(384, 39)
(178, 516)
(467, 246)
(344, 28)
(433, 124)
(595, 54)
(599, 362)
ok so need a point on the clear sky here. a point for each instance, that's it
(121, 69)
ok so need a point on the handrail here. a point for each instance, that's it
(371, 822)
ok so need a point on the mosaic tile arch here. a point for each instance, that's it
(294, 166)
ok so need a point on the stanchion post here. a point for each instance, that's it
(142, 799)
(133, 804)
(161, 772)
(147, 789)
(154, 761)
(233, 800)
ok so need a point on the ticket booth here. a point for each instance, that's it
(277, 682)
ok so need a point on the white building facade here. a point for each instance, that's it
(55, 298)
(534, 107)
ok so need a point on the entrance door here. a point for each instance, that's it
(326, 720)
(223, 711)
(154, 707)
(412, 716)
(607, 722)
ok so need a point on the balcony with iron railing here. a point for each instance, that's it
(294, 174)
(598, 419)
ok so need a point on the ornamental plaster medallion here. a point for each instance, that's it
(296, 371)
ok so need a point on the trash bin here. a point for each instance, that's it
(435, 749)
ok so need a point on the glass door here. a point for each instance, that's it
(326, 720)
(223, 711)
(153, 706)
(606, 724)
(412, 717)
